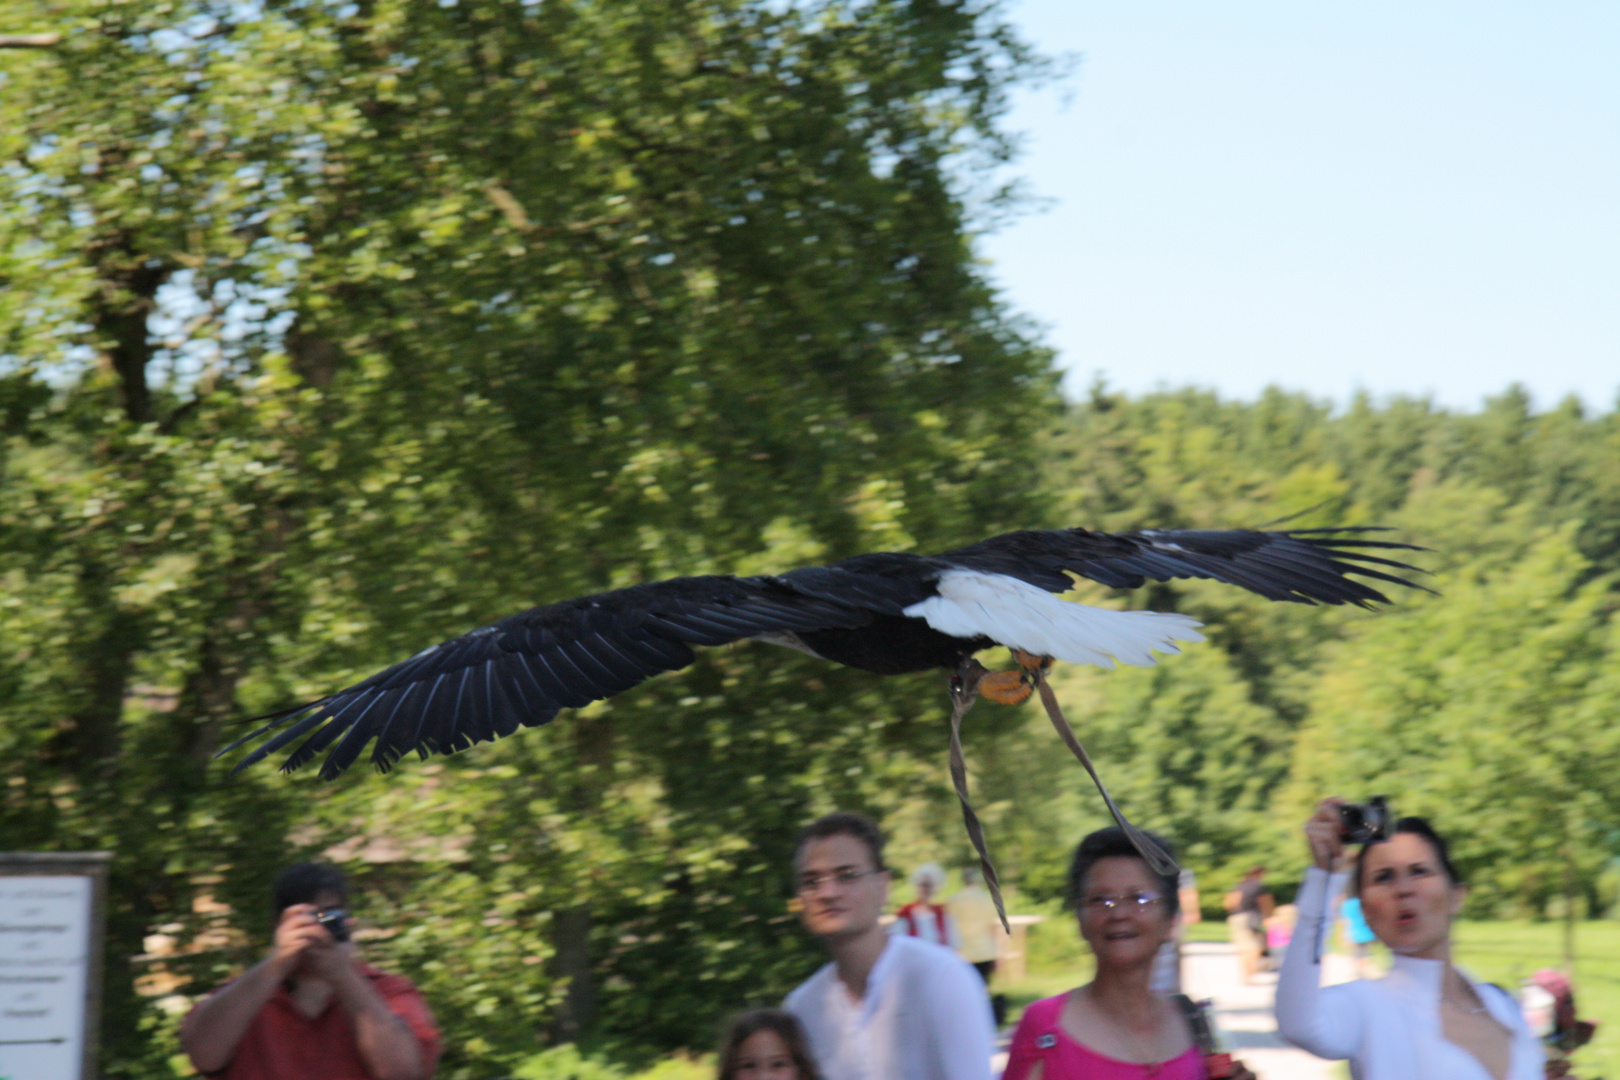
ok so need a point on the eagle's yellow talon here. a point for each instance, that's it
(1005, 687)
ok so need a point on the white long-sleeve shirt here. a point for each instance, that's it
(1389, 1028)
(925, 1016)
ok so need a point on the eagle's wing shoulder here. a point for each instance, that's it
(884, 583)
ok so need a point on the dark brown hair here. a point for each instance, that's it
(1112, 843)
(859, 826)
(786, 1027)
(306, 882)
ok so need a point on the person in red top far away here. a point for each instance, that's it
(312, 1008)
(923, 918)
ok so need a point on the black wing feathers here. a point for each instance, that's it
(522, 671)
(886, 583)
(1309, 566)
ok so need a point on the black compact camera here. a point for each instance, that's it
(1362, 823)
(336, 922)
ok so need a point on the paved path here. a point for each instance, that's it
(1244, 1014)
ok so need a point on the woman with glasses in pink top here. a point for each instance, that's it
(1114, 1027)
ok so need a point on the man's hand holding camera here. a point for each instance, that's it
(301, 931)
(316, 939)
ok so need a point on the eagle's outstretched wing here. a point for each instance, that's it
(521, 671)
(1303, 565)
(888, 612)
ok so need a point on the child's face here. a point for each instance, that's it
(764, 1056)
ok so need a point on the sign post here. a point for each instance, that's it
(52, 909)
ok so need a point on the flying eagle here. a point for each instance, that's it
(885, 613)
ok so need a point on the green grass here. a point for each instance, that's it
(1208, 930)
(1505, 953)
(1057, 960)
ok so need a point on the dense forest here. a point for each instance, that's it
(330, 330)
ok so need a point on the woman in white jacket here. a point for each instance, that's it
(1425, 1020)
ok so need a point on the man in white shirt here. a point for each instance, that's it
(888, 1007)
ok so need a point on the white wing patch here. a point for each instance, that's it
(1019, 615)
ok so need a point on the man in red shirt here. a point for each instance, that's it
(312, 1009)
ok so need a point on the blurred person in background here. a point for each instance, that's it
(979, 933)
(1114, 1027)
(1547, 1000)
(887, 1006)
(1167, 966)
(1247, 908)
(923, 917)
(766, 1044)
(1425, 1019)
(1280, 931)
(312, 1009)
(1360, 935)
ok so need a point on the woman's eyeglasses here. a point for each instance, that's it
(1140, 900)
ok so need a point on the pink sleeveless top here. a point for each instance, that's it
(1040, 1038)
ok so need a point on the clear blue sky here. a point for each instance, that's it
(1401, 196)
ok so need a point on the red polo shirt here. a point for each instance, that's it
(284, 1044)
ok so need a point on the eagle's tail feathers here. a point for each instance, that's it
(1014, 613)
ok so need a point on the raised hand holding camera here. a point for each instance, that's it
(1337, 823)
(312, 939)
(1324, 834)
(296, 931)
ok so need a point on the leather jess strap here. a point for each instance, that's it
(964, 693)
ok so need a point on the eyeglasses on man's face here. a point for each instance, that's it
(1101, 903)
(844, 878)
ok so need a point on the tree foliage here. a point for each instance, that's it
(332, 329)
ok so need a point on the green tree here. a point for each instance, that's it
(332, 329)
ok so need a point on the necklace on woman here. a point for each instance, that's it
(1149, 1068)
(1469, 1009)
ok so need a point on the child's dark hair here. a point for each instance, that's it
(1416, 826)
(786, 1026)
(1112, 843)
(859, 826)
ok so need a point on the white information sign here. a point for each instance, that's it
(48, 938)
